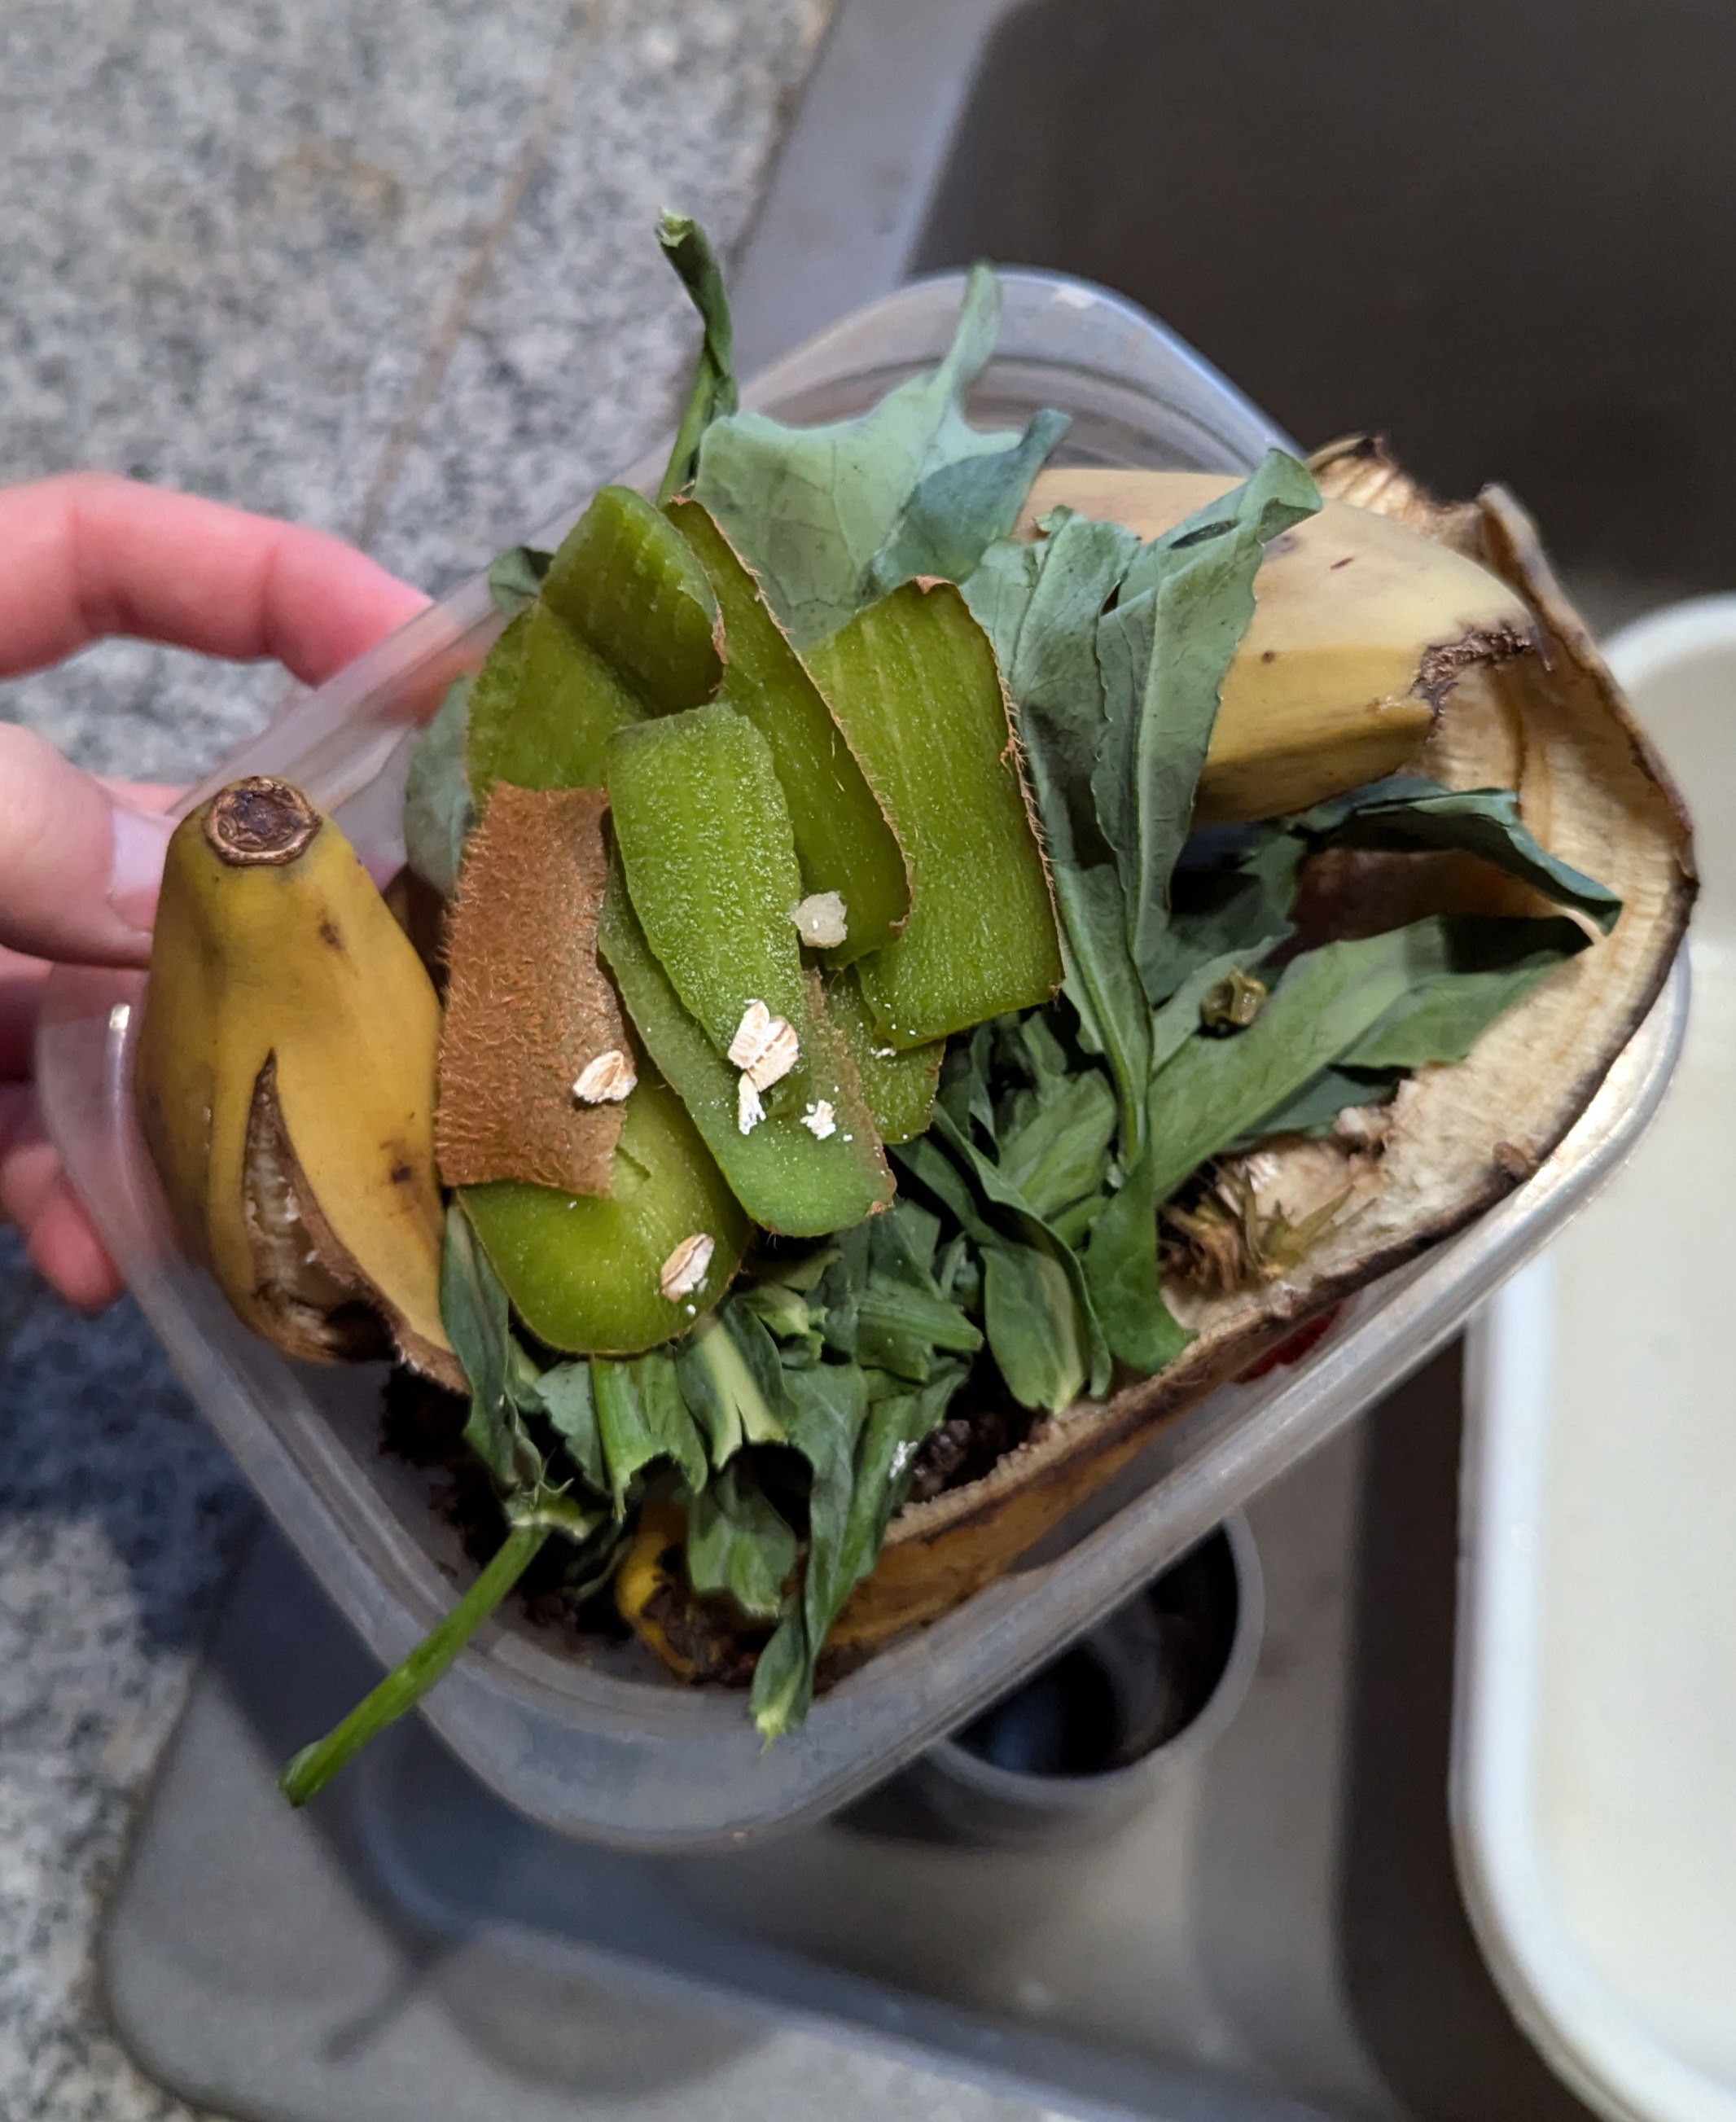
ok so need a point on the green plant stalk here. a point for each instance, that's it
(308, 1772)
(688, 249)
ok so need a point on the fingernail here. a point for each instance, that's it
(141, 840)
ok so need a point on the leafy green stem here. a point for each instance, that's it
(309, 1772)
(688, 249)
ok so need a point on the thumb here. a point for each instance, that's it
(79, 867)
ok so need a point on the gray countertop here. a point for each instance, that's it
(386, 271)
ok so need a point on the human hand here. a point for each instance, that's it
(86, 556)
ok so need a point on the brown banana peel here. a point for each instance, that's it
(1550, 724)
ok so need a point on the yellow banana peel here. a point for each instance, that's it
(285, 1082)
(1362, 624)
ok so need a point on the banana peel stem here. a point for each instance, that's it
(308, 1772)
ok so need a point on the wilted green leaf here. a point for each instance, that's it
(1319, 1102)
(810, 508)
(1486, 965)
(473, 1311)
(516, 578)
(1038, 1334)
(1184, 604)
(437, 810)
(1426, 989)
(1122, 1272)
(862, 1455)
(643, 1417)
(568, 1400)
(712, 393)
(723, 1379)
(1406, 815)
(962, 507)
(737, 1543)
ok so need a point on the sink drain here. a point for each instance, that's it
(1080, 1745)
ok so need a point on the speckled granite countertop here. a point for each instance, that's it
(386, 271)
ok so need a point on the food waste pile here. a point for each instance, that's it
(917, 960)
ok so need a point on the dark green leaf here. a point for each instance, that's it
(712, 394)
(1010, 1218)
(1055, 1153)
(473, 1311)
(901, 1245)
(1231, 906)
(862, 1455)
(899, 1329)
(929, 1166)
(999, 592)
(787, 1314)
(516, 578)
(1041, 605)
(567, 1399)
(809, 508)
(956, 511)
(1164, 648)
(1037, 1332)
(737, 1543)
(437, 810)
(782, 1689)
(1318, 1103)
(643, 1417)
(1103, 986)
(1488, 964)
(1322, 1011)
(897, 1425)
(1213, 1090)
(722, 1381)
(1407, 816)
(1121, 1271)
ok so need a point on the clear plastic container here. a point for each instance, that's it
(595, 1745)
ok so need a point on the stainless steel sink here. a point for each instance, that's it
(1496, 233)
(1276, 1934)
(1494, 230)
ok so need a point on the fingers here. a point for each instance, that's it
(88, 555)
(20, 995)
(34, 1194)
(79, 870)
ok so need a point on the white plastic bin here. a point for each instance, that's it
(1595, 1759)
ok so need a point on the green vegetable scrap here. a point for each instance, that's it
(884, 1300)
(803, 1170)
(1405, 815)
(688, 249)
(1064, 1008)
(623, 623)
(628, 587)
(705, 840)
(643, 1417)
(981, 936)
(737, 1543)
(899, 1087)
(843, 843)
(830, 517)
(1014, 1174)
(594, 1272)
(438, 813)
(516, 578)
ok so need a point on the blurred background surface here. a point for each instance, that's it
(386, 270)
